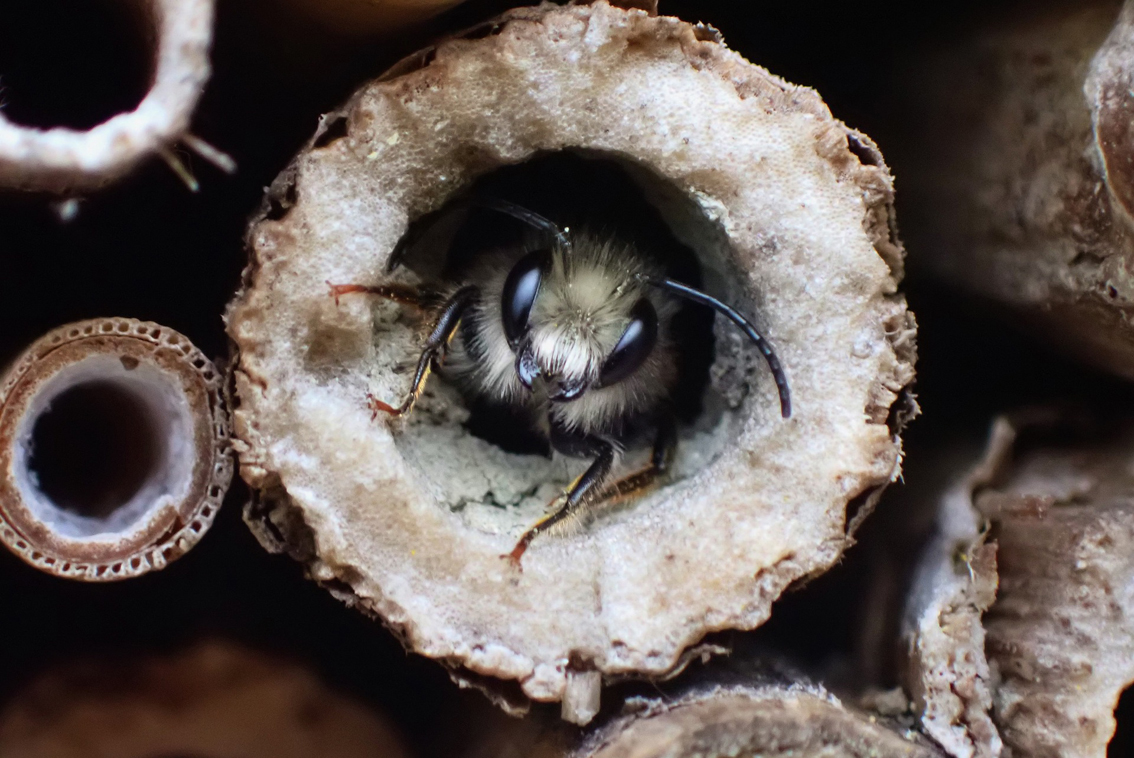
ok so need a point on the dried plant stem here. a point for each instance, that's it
(408, 518)
(62, 160)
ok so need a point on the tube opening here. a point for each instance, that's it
(607, 196)
(106, 441)
(580, 192)
(95, 447)
(40, 86)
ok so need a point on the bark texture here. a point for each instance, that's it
(947, 671)
(1053, 498)
(1020, 181)
(1061, 631)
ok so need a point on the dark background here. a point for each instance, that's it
(148, 248)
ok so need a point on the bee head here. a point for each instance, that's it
(575, 324)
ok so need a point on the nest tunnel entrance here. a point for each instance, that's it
(40, 40)
(604, 196)
(104, 441)
(592, 194)
(94, 448)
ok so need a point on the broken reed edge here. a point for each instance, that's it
(1052, 496)
(1061, 632)
(719, 721)
(172, 386)
(364, 504)
(1033, 212)
(946, 670)
(213, 699)
(62, 160)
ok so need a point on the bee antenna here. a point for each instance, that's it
(518, 212)
(681, 290)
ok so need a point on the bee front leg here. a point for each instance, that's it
(581, 494)
(665, 443)
(449, 318)
(399, 293)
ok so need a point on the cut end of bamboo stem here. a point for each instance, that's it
(114, 449)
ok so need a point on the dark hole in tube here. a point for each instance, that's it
(580, 191)
(1122, 743)
(94, 448)
(72, 64)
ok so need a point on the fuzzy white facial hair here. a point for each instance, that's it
(580, 313)
(582, 310)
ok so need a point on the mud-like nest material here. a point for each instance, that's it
(114, 449)
(215, 700)
(1022, 180)
(789, 214)
(947, 671)
(67, 160)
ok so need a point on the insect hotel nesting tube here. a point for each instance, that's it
(771, 721)
(1021, 175)
(213, 700)
(765, 718)
(1030, 617)
(782, 212)
(114, 449)
(64, 160)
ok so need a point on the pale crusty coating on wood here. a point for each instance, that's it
(790, 213)
(947, 671)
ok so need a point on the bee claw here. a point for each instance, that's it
(519, 550)
(376, 406)
(342, 289)
(513, 558)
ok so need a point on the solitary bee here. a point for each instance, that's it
(577, 334)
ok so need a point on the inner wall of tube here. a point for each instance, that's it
(486, 463)
(104, 442)
(40, 40)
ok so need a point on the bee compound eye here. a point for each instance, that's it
(634, 346)
(520, 289)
